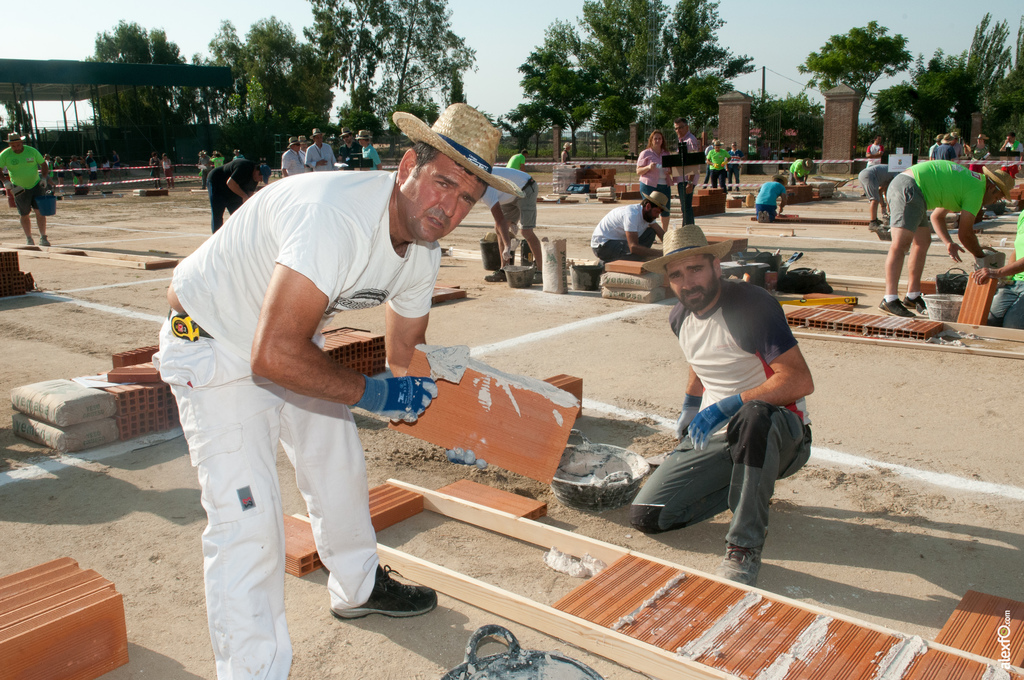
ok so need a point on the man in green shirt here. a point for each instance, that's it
(939, 186)
(27, 178)
(799, 171)
(718, 159)
(518, 161)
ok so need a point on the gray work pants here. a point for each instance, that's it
(736, 471)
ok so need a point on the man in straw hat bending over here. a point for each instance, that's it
(743, 422)
(939, 186)
(241, 352)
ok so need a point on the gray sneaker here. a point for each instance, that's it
(740, 565)
(43, 241)
(391, 598)
(29, 241)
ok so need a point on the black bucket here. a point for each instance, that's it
(587, 276)
(490, 253)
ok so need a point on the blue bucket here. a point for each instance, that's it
(47, 205)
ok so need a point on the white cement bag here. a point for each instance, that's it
(67, 439)
(63, 402)
(555, 268)
(648, 281)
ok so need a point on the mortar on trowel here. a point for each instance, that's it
(597, 477)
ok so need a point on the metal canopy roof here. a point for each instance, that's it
(64, 80)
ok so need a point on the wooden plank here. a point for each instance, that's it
(911, 344)
(980, 621)
(505, 420)
(977, 302)
(94, 256)
(481, 494)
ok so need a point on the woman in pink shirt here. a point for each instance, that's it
(654, 177)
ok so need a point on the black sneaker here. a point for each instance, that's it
(496, 277)
(895, 307)
(917, 304)
(391, 598)
(740, 565)
(874, 225)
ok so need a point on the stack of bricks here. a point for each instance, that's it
(141, 408)
(801, 193)
(842, 321)
(356, 349)
(709, 202)
(597, 177)
(12, 280)
(60, 621)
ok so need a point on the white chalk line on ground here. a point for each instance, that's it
(110, 285)
(43, 466)
(817, 453)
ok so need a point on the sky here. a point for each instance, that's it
(778, 37)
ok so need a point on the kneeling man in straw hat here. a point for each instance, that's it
(242, 354)
(744, 423)
(939, 186)
(627, 233)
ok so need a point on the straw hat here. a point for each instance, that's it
(1001, 179)
(302, 138)
(686, 241)
(982, 136)
(366, 134)
(781, 179)
(717, 142)
(938, 138)
(316, 131)
(464, 135)
(14, 137)
(293, 141)
(657, 198)
(947, 139)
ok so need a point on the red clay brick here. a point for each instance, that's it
(481, 494)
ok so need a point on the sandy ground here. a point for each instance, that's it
(882, 545)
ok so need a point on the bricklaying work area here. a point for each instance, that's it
(912, 498)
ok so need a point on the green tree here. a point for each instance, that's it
(1003, 114)
(347, 36)
(857, 59)
(525, 122)
(792, 112)
(613, 113)
(989, 58)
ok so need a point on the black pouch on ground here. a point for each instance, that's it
(951, 283)
(803, 280)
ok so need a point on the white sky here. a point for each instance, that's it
(778, 36)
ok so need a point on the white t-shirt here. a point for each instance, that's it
(323, 152)
(492, 195)
(332, 228)
(292, 162)
(616, 223)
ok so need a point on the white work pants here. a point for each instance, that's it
(233, 421)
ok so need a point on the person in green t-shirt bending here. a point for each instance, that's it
(939, 186)
(799, 171)
(27, 178)
(518, 161)
(1008, 306)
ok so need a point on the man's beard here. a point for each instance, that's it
(699, 303)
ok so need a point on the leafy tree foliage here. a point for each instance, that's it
(857, 59)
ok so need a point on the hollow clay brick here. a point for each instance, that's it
(445, 294)
(136, 356)
(389, 505)
(625, 267)
(975, 623)
(139, 373)
(570, 384)
(514, 428)
(977, 302)
(481, 494)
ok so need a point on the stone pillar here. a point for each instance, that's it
(975, 128)
(556, 142)
(632, 139)
(734, 119)
(842, 104)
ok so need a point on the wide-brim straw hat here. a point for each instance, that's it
(657, 198)
(781, 179)
(686, 241)
(1001, 179)
(364, 134)
(938, 138)
(982, 136)
(293, 140)
(464, 135)
(947, 139)
(14, 137)
(316, 131)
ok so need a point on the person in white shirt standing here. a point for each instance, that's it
(241, 352)
(509, 211)
(319, 156)
(292, 162)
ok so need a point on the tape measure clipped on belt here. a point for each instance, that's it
(183, 326)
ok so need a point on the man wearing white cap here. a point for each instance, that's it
(291, 160)
(242, 355)
(744, 422)
(319, 156)
(27, 177)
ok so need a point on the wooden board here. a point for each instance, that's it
(93, 257)
(981, 622)
(977, 302)
(514, 428)
(442, 294)
(512, 503)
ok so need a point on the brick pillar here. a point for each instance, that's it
(632, 138)
(556, 142)
(734, 119)
(842, 103)
(975, 128)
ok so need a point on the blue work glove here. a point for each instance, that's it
(465, 457)
(691, 406)
(402, 398)
(710, 419)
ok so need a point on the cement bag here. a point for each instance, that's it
(63, 402)
(555, 268)
(648, 281)
(631, 295)
(67, 439)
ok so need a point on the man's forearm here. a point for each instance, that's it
(965, 232)
(304, 368)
